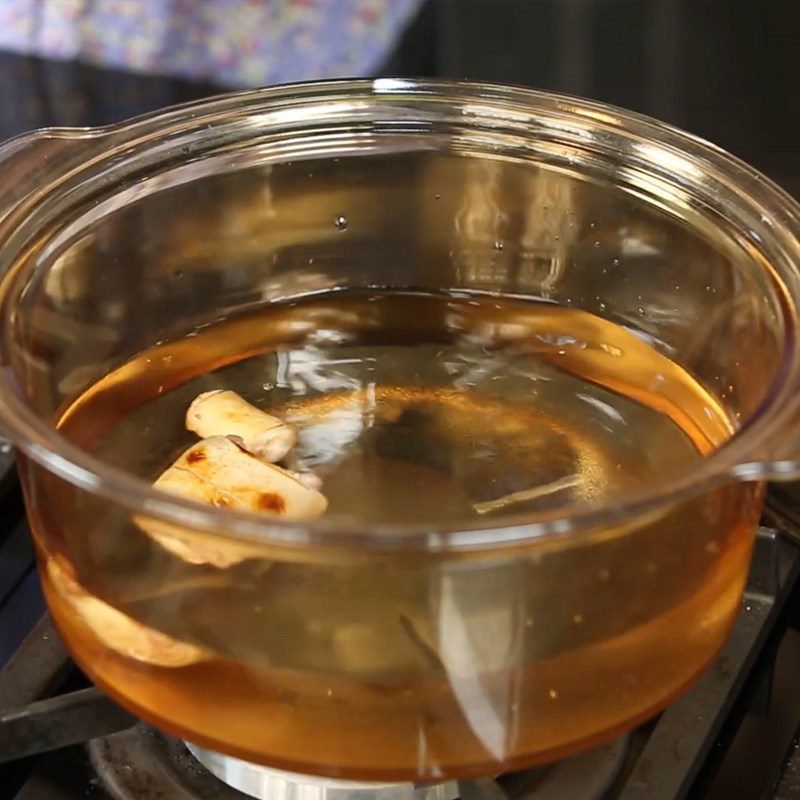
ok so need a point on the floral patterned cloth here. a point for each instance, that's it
(233, 42)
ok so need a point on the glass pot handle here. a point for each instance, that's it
(30, 161)
(777, 458)
(782, 467)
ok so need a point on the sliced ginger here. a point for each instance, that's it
(116, 630)
(224, 413)
(216, 471)
(227, 471)
(232, 468)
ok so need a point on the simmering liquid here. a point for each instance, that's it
(475, 407)
(438, 410)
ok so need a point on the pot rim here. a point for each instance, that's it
(748, 455)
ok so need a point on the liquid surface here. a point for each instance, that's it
(425, 409)
(475, 407)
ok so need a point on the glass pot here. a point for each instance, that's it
(392, 652)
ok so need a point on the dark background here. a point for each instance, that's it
(727, 70)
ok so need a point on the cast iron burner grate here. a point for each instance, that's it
(78, 743)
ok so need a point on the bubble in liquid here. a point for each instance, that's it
(341, 223)
(498, 245)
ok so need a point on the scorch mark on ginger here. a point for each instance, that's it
(217, 472)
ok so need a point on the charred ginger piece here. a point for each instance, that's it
(217, 472)
(118, 631)
(224, 413)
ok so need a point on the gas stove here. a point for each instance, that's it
(735, 734)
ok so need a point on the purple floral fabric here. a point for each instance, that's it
(233, 42)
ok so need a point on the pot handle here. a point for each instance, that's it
(779, 459)
(31, 160)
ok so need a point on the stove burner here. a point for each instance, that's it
(144, 764)
(587, 776)
(265, 783)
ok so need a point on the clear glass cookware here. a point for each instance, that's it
(392, 652)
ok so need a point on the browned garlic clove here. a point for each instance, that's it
(118, 631)
(217, 472)
(224, 413)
